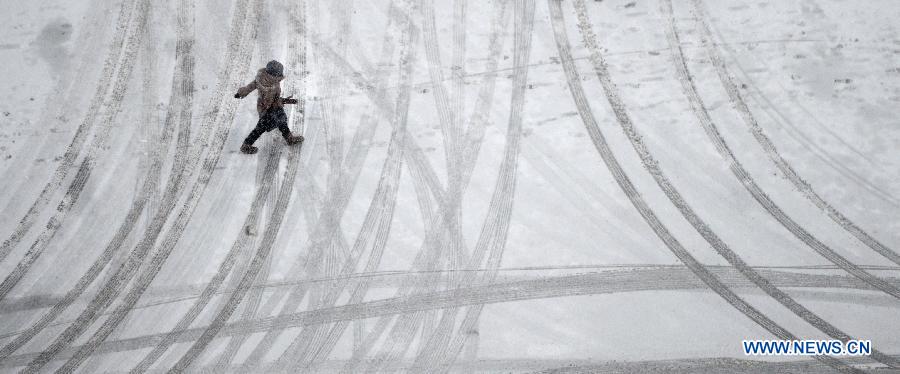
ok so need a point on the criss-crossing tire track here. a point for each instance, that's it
(419, 169)
(243, 240)
(649, 163)
(424, 318)
(450, 114)
(317, 341)
(245, 274)
(617, 281)
(321, 350)
(319, 261)
(380, 214)
(438, 352)
(298, 64)
(427, 256)
(326, 230)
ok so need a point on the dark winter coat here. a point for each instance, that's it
(269, 87)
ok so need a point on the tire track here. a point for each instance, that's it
(320, 260)
(413, 151)
(344, 173)
(700, 111)
(448, 318)
(124, 230)
(387, 278)
(265, 177)
(607, 282)
(740, 105)
(147, 135)
(243, 240)
(650, 165)
(273, 226)
(449, 115)
(71, 85)
(297, 63)
(426, 258)
(383, 203)
(436, 353)
(778, 116)
(446, 117)
(113, 104)
(250, 308)
(176, 182)
(404, 329)
(275, 298)
(110, 67)
(760, 196)
(356, 156)
(460, 10)
(377, 96)
(173, 234)
(380, 213)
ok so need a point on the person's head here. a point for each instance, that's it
(275, 69)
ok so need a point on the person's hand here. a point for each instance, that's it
(237, 96)
(289, 100)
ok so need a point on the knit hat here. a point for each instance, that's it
(275, 69)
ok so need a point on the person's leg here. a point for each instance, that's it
(261, 127)
(280, 120)
(255, 133)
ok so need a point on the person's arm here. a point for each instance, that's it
(246, 90)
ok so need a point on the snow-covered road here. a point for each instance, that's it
(485, 186)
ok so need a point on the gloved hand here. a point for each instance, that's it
(289, 100)
(237, 96)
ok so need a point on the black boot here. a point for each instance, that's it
(248, 149)
(292, 139)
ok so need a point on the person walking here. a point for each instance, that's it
(269, 105)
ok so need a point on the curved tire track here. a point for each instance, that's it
(124, 230)
(763, 199)
(740, 105)
(700, 111)
(133, 39)
(110, 66)
(649, 163)
(824, 155)
(176, 183)
(173, 234)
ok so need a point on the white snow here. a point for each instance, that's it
(821, 77)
